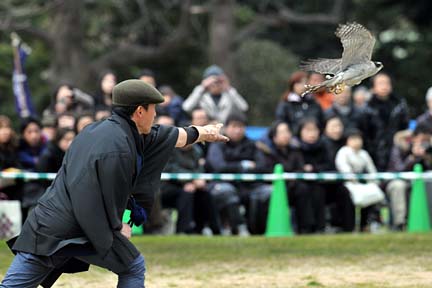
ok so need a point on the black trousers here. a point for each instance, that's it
(173, 196)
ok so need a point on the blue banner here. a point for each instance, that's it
(23, 103)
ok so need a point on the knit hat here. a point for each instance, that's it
(213, 70)
(135, 92)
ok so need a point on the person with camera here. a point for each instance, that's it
(216, 96)
(408, 150)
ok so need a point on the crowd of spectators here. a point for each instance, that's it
(365, 130)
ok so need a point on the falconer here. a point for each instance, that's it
(78, 221)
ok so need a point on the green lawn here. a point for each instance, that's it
(388, 260)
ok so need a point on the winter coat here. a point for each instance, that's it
(392, 115)
(316, 155)
(350, 161)
(332, 147)
(290, 157)
(296, 108)
(425, 120)
(106, 163)
(230, 102)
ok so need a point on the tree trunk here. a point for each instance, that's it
(221, 35)
(69, 63)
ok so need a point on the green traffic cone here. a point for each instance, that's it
(278, 218)
(418, 219)
(136, 230)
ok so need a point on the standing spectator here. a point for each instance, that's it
(392, 115)
(351, 158)
(82, 121)
(52, 157)
(148, 77)
(216, 96)
(239, 155)
(68, 99)
(293, 107)
(8, 157)
(107, 82)
(322, 96)
(361, 97)
(426, 118)
(172, 105)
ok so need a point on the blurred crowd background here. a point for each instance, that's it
(233, 62)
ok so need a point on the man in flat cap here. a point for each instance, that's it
(77, 221)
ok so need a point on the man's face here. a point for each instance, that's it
(235, 131)
(382, 86)
(199, 118)
(144, 118)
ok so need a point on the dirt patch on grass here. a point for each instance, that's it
(379, 271)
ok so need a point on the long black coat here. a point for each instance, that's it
(85, 203)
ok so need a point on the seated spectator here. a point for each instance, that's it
(68, 99)
(148, 77)
(103, 97)
(216, 96)
(293, 107)
(49, 127)
(172, 105)
(31, 147)
(409, 149)
(239, 155)
(83, 120)
(199, 117)
(426, 118)
(279, 147)
(333, 137)
(351, 158)
(66, 120)
(361, 97)
(8, 157)
(322, 96)
(51, 159)
(102, 113)
(342, 210)
(181, 195)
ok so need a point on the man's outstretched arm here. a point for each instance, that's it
(194, 134)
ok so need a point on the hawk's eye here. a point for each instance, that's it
(378, 64)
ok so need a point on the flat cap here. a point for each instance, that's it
(135, 92)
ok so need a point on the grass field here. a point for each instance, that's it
(388, 260)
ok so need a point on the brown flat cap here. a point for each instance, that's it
(135, 92)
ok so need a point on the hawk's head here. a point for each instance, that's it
(378, 65)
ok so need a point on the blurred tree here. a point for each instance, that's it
(73, 40)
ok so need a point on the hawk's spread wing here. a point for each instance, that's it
(323, 65)
(357, 42)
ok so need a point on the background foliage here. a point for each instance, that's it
(266, 40)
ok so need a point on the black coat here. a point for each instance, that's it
(85, 203)
(51, 159)
(316, 155)
(292, 112)
(392, 115)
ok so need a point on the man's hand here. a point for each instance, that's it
(209, 81)
(211, 133)
(126, 231)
